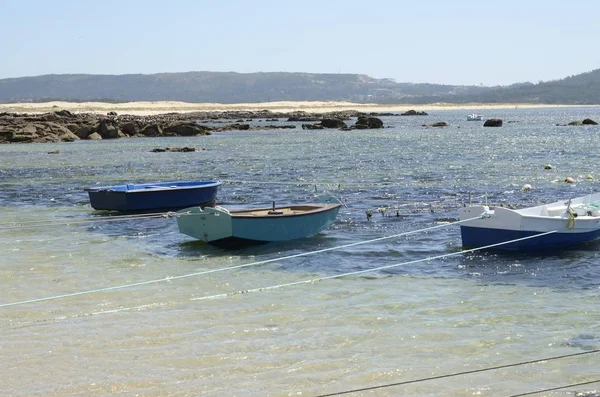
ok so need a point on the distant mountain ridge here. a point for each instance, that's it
(231, 87)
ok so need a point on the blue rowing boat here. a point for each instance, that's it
(221, 227)
(160, 196)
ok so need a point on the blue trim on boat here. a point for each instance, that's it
(474, 237)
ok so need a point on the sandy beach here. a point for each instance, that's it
(153, 108)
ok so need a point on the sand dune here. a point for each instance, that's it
(151, 108)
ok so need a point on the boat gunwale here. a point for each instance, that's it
(176, 186)
(247, 213)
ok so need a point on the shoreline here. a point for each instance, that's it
(162, 107)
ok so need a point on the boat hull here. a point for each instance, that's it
(220, 227)
(556, 225)
(153, 196)
(476, 237)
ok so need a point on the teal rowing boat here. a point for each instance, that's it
(221, 227)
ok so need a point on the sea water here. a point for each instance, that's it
(137, 308)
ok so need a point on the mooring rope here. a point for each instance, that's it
(111, 218)
(313, 280)
(171, 278)
(474, 371)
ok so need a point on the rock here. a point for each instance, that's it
(312, 127)
(369, 122)
(333, 123)
(130, 128)
(237, 126)
(25, 134)
(84, 131)
(108, 130)
(575, 123)
(303, 118)
(64, 113)
(413, 113)
(94, 136)
(548, 167)
(589, 122)
(569, 180)
(186, 129)
(440, 124)
(174, 149)
(151, 130)
(493, 123)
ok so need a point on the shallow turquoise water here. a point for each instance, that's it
(411, 321)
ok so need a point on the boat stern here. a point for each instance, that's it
(205, 223)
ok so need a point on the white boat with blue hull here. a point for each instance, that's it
(556, 225)
(221, 227)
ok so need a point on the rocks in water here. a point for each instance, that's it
(368, 122)
(493, 123)
(583, 122)
(437, 124)
(303, 118)
(312, 127)
(362, 123)
(548, 167)
(184, 149)
(65, 126)
(185, 129)
(333, 123)
(108, 129)
(413, 113)
(569, 180)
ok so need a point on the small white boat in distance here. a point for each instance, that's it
(543, 227)
(474, 117)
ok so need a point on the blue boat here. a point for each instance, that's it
(159, 196)
(221, 227)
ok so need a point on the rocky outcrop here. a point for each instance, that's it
(413, 113)
(362, 123)
(184, 149)
(65, 126)
(437, 124)
(584, 122)
(312, 127)
(493, 123)
(333, 123)
(365, 122)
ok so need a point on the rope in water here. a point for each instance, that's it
(230, 267)
(110, 218)
(372, 269)
(474, 371)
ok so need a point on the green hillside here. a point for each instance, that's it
(230, 87)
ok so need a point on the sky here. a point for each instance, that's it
(460, 42)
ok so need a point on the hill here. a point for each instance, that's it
(230, 87)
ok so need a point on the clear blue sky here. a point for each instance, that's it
(425, 41)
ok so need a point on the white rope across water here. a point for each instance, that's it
(74, 221)
(171, 278)
(224, 295)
